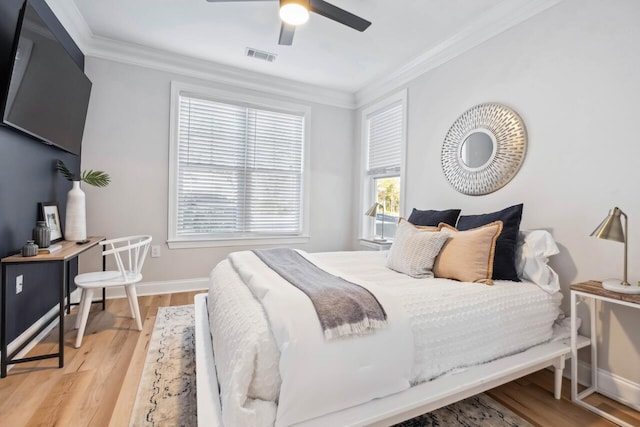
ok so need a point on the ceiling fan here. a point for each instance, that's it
(296, 12)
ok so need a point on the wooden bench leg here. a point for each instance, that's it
(558, 369)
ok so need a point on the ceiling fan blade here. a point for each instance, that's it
(286, 34)
(330, 11)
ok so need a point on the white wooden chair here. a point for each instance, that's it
(129, 253)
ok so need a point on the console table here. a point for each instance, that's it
(68, 252)
(594, 291)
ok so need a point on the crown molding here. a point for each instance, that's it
(129, 53)
(494, 21)
(72, 20)
(143, 56)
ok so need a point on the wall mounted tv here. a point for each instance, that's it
(48, 93)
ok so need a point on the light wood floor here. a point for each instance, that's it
(98, 383)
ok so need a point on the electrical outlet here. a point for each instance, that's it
(19, 281)
(155, 251)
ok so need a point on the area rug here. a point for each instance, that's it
(167, 392)
(479, 410)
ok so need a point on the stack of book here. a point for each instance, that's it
(51, 249)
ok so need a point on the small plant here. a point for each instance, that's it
(91, 177)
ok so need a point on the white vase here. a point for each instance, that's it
(75, 224)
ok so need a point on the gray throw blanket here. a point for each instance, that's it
(343, 308)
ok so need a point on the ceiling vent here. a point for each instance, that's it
(260, 54)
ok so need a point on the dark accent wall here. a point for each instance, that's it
(27, 176)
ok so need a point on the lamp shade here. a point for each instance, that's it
(611, 227)
(373, 210)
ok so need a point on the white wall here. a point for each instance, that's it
(127, 135)
(572, 73)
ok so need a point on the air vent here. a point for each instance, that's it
(260, 54)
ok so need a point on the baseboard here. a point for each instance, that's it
(609, 384)
(164, 287)
(32, 329)
(143, 288)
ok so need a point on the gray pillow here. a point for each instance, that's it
(414, 250)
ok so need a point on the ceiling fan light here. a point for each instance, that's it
(293, 13)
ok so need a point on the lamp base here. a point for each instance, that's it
(616, 285)
(379, 240)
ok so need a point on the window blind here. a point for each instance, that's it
(384, 136)
(240, 170)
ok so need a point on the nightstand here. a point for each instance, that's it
(375, 244)
(594, 291)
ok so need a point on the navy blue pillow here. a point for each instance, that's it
(504, 261)
(433, 218)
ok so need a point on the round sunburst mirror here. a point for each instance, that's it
(484, 149)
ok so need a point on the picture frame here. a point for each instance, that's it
(49, 214)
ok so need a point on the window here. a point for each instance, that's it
(238, 169)
(384, 140)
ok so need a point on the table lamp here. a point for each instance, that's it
(611, 229)
(372, 212)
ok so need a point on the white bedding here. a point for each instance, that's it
(452, 325)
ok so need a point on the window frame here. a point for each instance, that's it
(368, 190)
(234, 97)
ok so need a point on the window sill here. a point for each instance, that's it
(241, 241)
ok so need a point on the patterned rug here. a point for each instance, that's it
(167, 391)
(479, 410)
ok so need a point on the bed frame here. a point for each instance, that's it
(398, 407)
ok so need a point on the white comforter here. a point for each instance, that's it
(275, 347)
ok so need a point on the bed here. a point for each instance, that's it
(445, 341)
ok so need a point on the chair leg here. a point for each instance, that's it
(133, 302)
(79, 316)
(87, 296)
(130, 300)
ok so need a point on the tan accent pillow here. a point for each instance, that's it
(467, 255)
(414, 250)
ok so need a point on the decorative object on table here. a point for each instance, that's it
(75, 224)
(373, 212)
(50, 249)
(484, 149)
(49, 214)
(30, 249)
(611, 229)
(42, 234)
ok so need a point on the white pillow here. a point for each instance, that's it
(415, 249)
(532, 254)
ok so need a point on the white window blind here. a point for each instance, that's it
(239, 170)
(384, 137)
